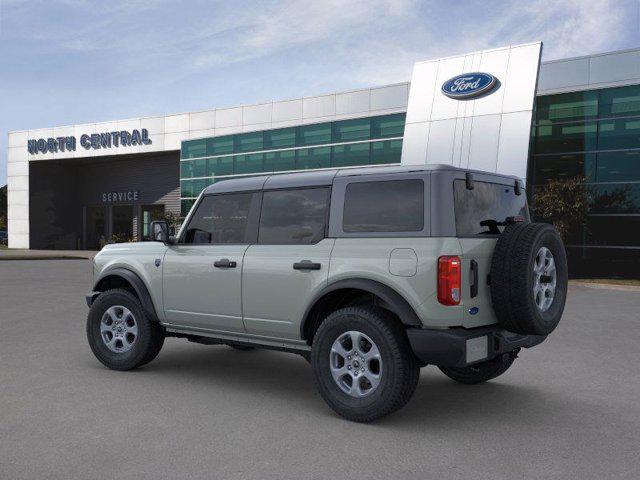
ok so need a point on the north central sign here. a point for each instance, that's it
(93, 141)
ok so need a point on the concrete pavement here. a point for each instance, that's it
(567, 409)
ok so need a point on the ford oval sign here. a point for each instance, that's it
(469, 85)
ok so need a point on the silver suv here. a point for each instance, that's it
(369, 273)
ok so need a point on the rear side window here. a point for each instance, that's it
(220, 219)
(386, 206)
(481, 211)
(296, 216)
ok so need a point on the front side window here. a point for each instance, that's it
(386, 206)
(220, 219)
(483, 210)
(296, 216)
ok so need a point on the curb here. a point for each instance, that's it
(606, 286)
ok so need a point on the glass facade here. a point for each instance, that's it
(594, 135)
(362, 141)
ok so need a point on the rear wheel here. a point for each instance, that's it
(480, 372)
(363, 364)
(120, 334)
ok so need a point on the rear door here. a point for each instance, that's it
(290, 262)
(480, 214)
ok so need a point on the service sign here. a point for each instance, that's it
(93, 141)
(469, 85)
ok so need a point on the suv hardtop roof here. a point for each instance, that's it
(325, 177)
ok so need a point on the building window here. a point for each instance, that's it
(351, 130)
(314, 134)
(350, 155)
(280, 138)
(308, 158)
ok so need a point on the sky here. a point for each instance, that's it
(65, 62)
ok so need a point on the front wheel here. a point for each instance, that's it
(363, 364)
(120, 335)
(480, 372)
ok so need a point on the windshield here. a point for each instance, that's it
(483, 210)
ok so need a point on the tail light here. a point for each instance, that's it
(449, 280)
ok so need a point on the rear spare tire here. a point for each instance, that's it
(529, 278)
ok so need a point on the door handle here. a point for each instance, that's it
(306, 265)
(224, 263)
(474, 279)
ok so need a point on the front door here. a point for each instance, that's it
(202, 272)
(290, 262)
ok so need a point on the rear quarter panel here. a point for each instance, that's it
(369, 258)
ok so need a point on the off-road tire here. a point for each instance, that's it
(480, 372)
(149, 340)
(512, 278)
(399, 374)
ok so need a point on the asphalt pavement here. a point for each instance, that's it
(569, 408)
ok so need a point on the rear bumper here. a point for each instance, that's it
(459, 347)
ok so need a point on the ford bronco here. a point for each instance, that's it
(369, 273)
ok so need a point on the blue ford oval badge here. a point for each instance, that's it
(469, 85)
(474, 310)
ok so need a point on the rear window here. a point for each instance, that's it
(387, 206)
(481, 211)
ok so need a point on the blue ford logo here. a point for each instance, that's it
(468, 85)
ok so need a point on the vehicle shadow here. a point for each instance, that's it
(437, 403)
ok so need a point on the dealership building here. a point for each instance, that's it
(79, 186)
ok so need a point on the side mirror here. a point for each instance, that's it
(159, 231)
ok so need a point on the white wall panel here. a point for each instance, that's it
(392, 96)
(414, 145)
(202, 120)
(176, 123)
(314, 107)
(19, 184)
(514, 143)
(253, 114)
(562, 74)
(422, 92)
(18, 240)
(154, 125)
(494, 62)
(520, 83)
(614, 67)
(17, 154)
(352, 102)
(173, 141)
(17, 168)
(228, 117)
(483, 143)
(441, 141)
(18, 139)
(287, 111)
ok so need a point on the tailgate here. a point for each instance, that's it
(476, 263)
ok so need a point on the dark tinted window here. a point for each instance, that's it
(389, 206)
(486, 202)
(220, 219)
(293, 216)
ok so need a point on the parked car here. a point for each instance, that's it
(369, 273)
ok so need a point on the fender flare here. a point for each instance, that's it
(136, 282)
(396, 302)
